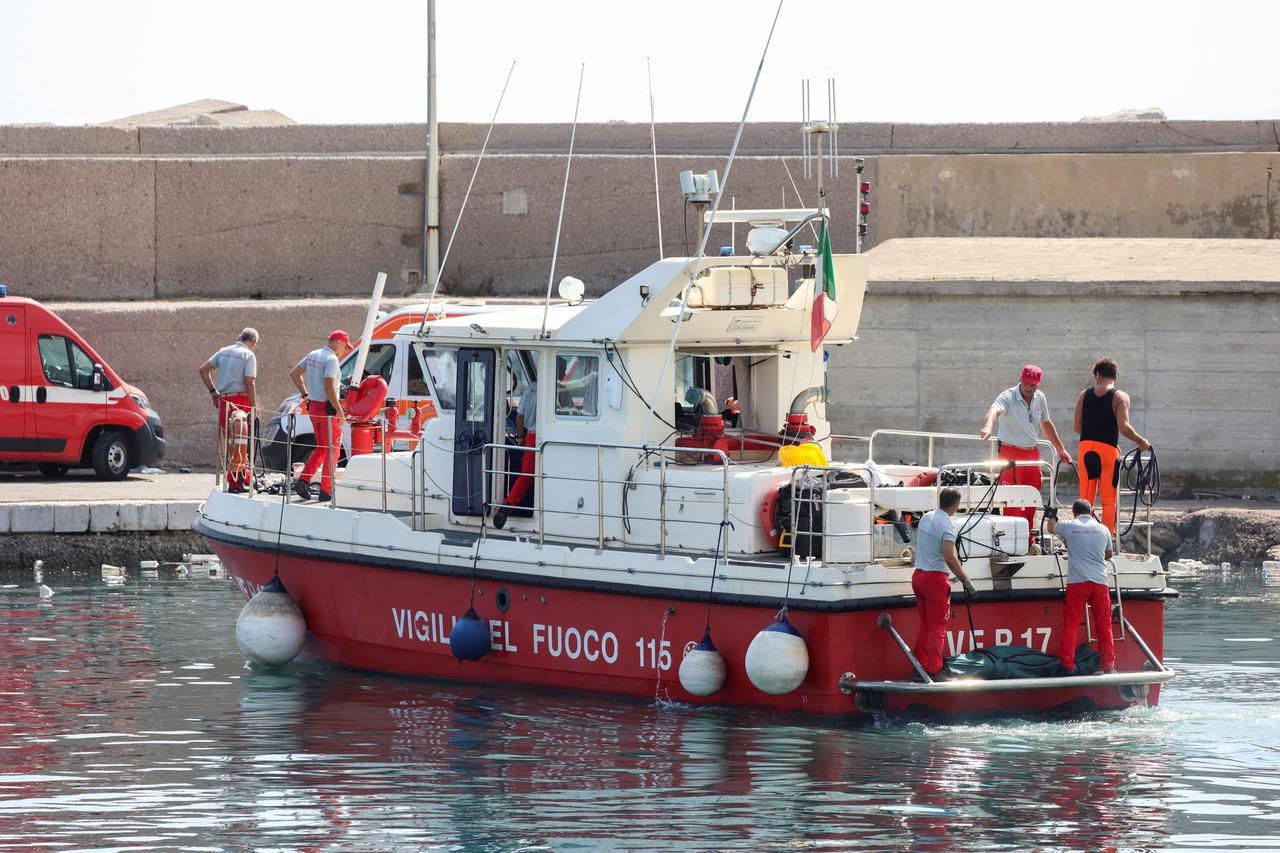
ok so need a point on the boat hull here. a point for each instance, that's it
(631, 641)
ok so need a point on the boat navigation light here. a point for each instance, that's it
(571, 289)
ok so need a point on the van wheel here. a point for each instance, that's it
(53, 469)
(112, 456)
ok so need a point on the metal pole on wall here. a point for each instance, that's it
(431, 209)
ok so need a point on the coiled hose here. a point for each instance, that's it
(1143, 479)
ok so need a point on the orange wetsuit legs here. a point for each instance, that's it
(1100, 471)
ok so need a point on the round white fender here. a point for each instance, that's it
(777, 659)
(702, 672)
(270, 629)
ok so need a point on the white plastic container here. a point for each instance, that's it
(740, 287)
(991, 534)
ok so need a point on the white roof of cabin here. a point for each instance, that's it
(623, 317)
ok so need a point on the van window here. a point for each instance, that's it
(442, 367)
(82, 366)
(381, 361)
(576, 380)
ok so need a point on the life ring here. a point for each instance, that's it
(768, 507)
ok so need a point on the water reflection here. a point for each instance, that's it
(128, 719)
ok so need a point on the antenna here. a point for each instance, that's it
(653, 140)
(435, 286)
(812, 133)
(555, 247)
(702, 244)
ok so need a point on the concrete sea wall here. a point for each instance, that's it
(103, 213)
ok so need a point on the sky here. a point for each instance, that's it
(90, 61)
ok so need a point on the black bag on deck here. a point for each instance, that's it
(806, 539)
(1002, 662)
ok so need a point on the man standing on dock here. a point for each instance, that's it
(316, 377)
(1102, 416)
(1088, 549)
(935, 556)
(1023, 411)
(231, 375)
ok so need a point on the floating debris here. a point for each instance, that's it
(45, 592)
(38, 568)
(112, 575)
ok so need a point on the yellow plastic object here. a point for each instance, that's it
(801, 454)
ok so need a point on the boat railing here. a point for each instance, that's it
(933, 438)
(809, 485)
(257, 464)
(661, 456)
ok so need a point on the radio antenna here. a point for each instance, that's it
(706, 234)
(653, 140)
(555, 247)
(435, 286)
(813, 132)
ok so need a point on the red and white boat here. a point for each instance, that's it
(650, 526)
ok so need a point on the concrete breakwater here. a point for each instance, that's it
(106, 213)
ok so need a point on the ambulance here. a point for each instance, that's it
(61, 404)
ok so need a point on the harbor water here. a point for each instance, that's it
(129, 721)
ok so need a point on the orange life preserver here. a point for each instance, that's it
(238, 445)
(768, 507)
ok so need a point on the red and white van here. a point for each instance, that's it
(61, 404)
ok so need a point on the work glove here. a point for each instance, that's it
(1050, 512)
(969, 590)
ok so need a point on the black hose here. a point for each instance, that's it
(1143, 479)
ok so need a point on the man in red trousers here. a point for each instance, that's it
(1023, 411)
(316, 377)
(935, 557)
(1088, 549)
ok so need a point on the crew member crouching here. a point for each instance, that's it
(1088, 549)
(935, 555)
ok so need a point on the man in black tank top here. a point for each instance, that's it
(1102, 416)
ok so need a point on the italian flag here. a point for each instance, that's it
(824, 292)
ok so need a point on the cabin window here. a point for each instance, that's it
(577, 380)
(692, 385)
(477, 410)
(381, 360)
(442, 366)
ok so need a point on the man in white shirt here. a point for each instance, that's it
(1023, 411)
(935, 557)
(1088, 549)
(231, 375)
(316, 377)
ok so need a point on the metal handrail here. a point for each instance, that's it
(541, 476)
(824, 472)
(932, 436)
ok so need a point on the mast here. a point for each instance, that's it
(431, 209)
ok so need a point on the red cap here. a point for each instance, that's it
(339, 335)
(1032, 374)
